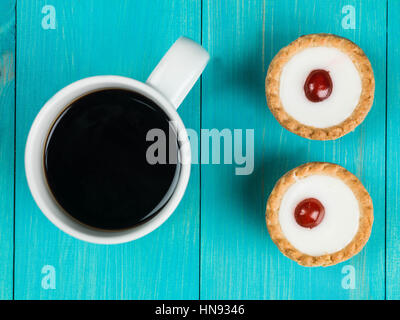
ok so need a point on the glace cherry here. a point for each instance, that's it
(309, 213)
(318, 85)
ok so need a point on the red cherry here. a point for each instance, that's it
(318, 85)
(309, 213)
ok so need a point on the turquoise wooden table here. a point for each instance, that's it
(216, 245)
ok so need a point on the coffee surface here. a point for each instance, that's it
(95, 159)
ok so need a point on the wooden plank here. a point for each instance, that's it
(7, 111)
(95, 37)
(393, 154)
(238, 258)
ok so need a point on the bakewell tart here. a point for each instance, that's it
(319, 214)
(320, 86)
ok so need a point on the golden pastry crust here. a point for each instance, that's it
(361, 194)
(361, 62)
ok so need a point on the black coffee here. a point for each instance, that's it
(95, 159)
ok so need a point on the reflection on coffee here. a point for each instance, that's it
(95, 160)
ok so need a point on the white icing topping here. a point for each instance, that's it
(340, 223)
(345, 94)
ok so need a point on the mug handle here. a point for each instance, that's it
(178, 70)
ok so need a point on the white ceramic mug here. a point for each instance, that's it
(167, 86)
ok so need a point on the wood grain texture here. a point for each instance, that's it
(393, 154)
(238, 258)
(7, 110)
(95, 37)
